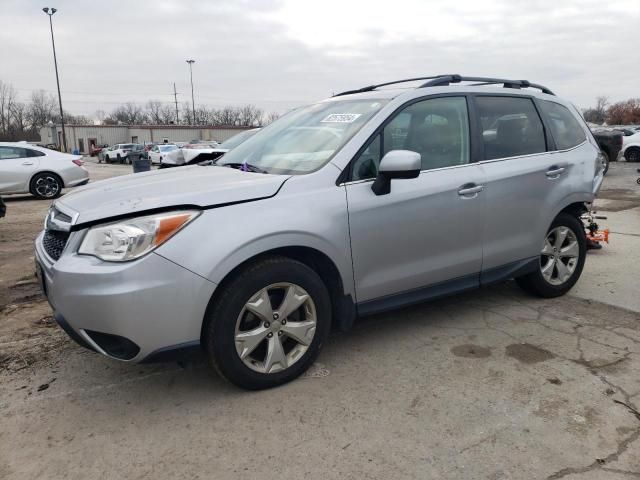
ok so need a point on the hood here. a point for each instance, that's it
(194, 185)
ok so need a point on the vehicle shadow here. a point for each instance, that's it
(191, 379)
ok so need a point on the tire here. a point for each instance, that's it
(632, 154)
(106, 159)
(606, 162)
(230, 315)
(541, 285)
(119, 158)
(46, 186)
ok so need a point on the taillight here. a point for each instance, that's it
(78, 162)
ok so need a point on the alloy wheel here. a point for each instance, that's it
(270, 339)
(559, 255)
(47, 186)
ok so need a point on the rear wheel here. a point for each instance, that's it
(119, 158)
(46, 185)
(605, 162)
(632, 154)
(268, 324)
(561, 259)
(106, 159)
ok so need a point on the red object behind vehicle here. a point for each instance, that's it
(78, 162)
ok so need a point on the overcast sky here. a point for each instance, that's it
(279, 54)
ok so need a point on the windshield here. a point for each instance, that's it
(237, 139)
(168, 148)
(305, 139)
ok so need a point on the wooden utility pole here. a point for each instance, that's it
(175, 96)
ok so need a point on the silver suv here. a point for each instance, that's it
(367, 201)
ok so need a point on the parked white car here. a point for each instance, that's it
(117, 152)
(631, 147)
(165, 153)
(25, 168)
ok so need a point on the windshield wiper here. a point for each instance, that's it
(246, 167)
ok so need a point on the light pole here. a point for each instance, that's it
(50, 12)
(193, 102)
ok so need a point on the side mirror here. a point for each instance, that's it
(396, 164)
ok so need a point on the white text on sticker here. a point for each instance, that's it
(341, 118)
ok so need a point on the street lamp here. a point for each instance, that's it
(193, 103)
(50, 12)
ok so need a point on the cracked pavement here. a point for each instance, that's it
(491, 384)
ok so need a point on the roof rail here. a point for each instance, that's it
(444, 80)
(373, 87)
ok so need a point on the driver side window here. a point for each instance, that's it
(438, 129)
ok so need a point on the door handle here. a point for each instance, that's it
(470, 190)
(27, 163)
(554, 172)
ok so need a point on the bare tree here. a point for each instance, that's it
(154, 112)
(271, 117)
(228, 116)
(168, 115)
(42, 109)
(598, 113)
(19, 123)
(127, 114)
(250, 115)
(7, 99)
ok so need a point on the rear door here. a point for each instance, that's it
(16, 168)
(524, 182)
(425, 231)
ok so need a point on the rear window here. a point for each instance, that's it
(34, 153)
(511, 127)
(168, 148)
(127, 145)
(565, 129)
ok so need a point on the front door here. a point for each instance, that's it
(427, 230)
(16, 168)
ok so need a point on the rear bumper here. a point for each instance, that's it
(125, 311)
(78, 176)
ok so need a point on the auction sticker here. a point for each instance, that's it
(341, 118)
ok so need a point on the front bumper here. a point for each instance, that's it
(151, 302)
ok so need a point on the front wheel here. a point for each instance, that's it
(561, 259)
(106, 159)
(268, 324)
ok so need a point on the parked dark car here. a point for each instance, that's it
(137, 152)
(610, 142)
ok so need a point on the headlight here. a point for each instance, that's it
(135, 237)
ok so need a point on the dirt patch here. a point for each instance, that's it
(527, 353)
(471, 351)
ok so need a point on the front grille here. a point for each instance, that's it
(54, 243)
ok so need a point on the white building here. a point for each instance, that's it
(83, 136)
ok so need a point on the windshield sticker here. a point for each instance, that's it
(341, 118)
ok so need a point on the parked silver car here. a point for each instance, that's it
(26, 168)
(364, 202)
